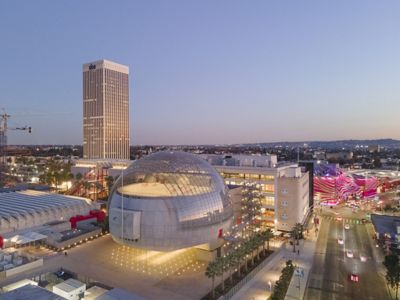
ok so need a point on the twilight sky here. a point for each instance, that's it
(205, 72)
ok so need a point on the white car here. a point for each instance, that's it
(340, 241)
(349, 254)
(347, 226)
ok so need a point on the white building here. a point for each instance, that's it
(27, 209)
(285, 187)
(99, 166)
(70, 289)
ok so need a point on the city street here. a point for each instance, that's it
(333, 264)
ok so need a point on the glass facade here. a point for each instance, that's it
(105, 111)
(182, 202)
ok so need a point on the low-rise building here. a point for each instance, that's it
(284, 187)
(26, 209)
(70, 289)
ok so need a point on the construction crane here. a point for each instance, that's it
(3, 137)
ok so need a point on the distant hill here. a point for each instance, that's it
(347, 144)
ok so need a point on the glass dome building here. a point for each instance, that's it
(168, 201)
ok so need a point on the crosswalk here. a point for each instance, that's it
(345, 220)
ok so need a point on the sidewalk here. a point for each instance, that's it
(304, 261)
(258, 287)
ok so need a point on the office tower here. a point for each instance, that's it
(105, 110)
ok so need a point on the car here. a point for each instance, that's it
(339, 219)
(354, 277)
(363, 258)
(349, 254)
(340, 241)
(364, 221)
(347, 226)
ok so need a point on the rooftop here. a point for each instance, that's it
(29, 292)
(15, 204)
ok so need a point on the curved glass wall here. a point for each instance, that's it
(167, 194)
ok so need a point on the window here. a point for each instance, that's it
(267, 177)
(268, 201)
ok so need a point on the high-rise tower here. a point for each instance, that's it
(105, 110)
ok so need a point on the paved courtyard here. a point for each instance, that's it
(150, 274)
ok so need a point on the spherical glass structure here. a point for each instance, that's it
(168, 201)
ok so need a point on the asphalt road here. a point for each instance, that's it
(329, 277)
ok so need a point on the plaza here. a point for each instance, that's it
(149, 274)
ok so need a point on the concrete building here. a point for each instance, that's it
(285, 188)
(105, 110)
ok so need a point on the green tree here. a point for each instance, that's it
(211, 272)
(78, 176)
(248, 249)
(221, 267)
(241, 256)
(86, 186)
(267, 236)
(231, 262)
(377, 163)
(392, 265)
(109, 183)
(296, 234)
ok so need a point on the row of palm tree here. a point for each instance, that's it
(238, 258)
(296, 234)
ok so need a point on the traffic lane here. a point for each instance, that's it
(314, 287)
(335, 262)
(352, 264)
(373, 285)
(328, 274)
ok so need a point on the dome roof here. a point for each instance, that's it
(168, 201)
(169, 174)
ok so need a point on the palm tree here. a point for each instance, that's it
(293, 236)
(231, 262)
(299, 230)
(240, 253)
(221, 266)
(86, 186)
(211, 272)
(109, 182)
(78, 176)
(259, 240)
(267, 235)
(247, 250)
